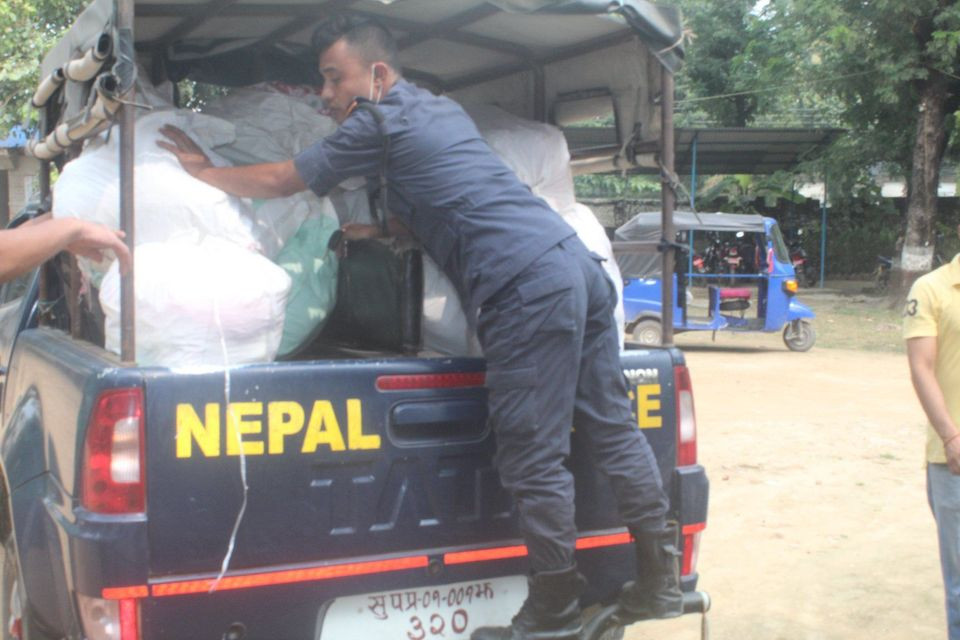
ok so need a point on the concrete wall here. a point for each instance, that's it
(18, 182)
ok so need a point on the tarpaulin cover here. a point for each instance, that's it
(222, 37)
(645, 227)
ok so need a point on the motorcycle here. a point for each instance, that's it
(881, 275)
(801, 263)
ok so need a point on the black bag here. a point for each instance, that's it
(379, 298)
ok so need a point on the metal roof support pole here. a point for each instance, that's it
(44, 178)
(668, 199)
(539, 93)
(823, 233)
(127, 122)
(693, 196)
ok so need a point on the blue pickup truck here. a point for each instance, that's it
(348, 492)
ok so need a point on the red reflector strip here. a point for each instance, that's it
(592, 542)
(123, 593)
(518, 551)
(480, 555)
(288, 577)
(252, 580)
(129, 625)
(697, 527)
(431, 381)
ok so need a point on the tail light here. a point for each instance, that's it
(105, 619)
(691, 547)
(686, 418)
(790, 287)
(113, 460)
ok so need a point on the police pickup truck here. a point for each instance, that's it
(347, 493)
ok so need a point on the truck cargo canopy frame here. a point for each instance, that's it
(455, 45)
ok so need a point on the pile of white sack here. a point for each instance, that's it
(207, 290)
(221, 280)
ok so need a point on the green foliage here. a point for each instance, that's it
(874, 57)
(615, 186)
(196, 95)
(28, 28)
(746, 193)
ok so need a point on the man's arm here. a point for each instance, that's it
(28, 246)
(359, 231)
(267, 180)
(922, 356)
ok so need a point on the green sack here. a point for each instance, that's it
(313, 269)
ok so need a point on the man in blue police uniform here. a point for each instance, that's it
(545, 313)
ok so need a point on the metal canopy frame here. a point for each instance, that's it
(450, 29)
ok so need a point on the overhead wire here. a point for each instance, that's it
(734, 94)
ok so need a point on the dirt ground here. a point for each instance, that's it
(818, 525)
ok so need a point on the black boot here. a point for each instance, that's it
(550, 612)
(656, 593)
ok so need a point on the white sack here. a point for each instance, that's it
(273, 124)
(207, 304)
(535, 151)
(443, 325)
(276, 220)
(169, 203)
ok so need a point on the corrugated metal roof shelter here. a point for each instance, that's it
(748, 150)
(718, 151)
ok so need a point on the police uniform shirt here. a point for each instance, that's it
(474, 217)
(933, 310)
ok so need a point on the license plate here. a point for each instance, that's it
(449, 612)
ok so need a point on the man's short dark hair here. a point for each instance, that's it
(367, 36)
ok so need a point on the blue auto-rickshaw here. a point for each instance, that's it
(736, 275)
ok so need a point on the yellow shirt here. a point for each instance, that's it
(933, 310)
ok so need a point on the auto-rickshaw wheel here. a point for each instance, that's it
(647, 332)
(799, 335)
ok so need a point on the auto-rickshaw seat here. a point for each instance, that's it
(735, 293)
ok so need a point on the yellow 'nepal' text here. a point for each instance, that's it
(254, 429)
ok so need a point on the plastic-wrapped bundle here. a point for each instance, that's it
(210, 303)
(273, 125)
(443, 325)
(170, 203)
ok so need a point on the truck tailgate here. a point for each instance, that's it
(334, 466)
(351, 465)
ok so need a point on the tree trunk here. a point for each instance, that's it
(916, 257)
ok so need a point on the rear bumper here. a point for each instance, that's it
(696, 602)
(689, 496)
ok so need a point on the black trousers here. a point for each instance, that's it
(553, 363)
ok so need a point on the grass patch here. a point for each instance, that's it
(847, 319)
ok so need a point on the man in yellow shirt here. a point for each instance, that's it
(931, 328)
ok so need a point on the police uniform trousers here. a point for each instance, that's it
(553, 363)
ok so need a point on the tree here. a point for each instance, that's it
(895, 68)
(28, 28)
(734, 51)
